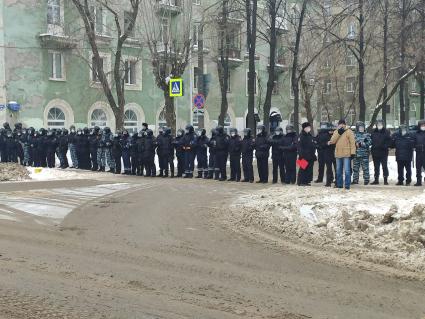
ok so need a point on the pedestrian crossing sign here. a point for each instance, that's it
(176, 87)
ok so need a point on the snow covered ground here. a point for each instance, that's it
(382, 224)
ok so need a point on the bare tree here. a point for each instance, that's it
(167, 33)
(123, 30)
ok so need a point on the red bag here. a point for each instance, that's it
(302, 163)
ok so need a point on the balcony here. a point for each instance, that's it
(168, 7)
(235, 57)
(57, 41)
(281, 64)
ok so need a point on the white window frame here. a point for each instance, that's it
(350, 59)
(195, 34)
(96, 122)
(161, 29)
(275, 90)
(139, 73)
(55, 28)
(196, 2)
(133, 32)
(134, 124)
(350, 84)
(327, 86)
(195, 118)
(107, 67)
(56, 120)
(351, 31)
(227, 123)
(94, 10)
(52, 71)
(161, 121)
(246, 83)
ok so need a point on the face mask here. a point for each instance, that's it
(403, 132)
(288, 131)
(79, 133)
(259, 132)
(179, 134)
(72, 131)
(361, 129)
(422, 128)
(380, 127)
(278, 132)
(307, 130)
(186, 131)
(232, 134)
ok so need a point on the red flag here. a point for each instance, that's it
(302, 163)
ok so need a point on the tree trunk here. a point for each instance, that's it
(362, 100)
(251, 22)
(407, 104)
(307, 101)
(422, 98)
(403, 117)
(170, 112)
(272, 63)
(294, 71)
(385, 60)
(223, 64)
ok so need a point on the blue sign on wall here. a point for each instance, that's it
(2, 107)
(14, 106)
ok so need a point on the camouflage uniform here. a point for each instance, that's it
(104, 155)
(364, 141)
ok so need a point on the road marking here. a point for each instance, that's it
(59, 202)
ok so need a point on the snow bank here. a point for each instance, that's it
(12, 172)
(384, 225)
(49, 174)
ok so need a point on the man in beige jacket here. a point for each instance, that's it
(345, 149)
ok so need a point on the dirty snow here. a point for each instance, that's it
(12, 172)
(384, 225)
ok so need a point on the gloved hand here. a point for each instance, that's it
(353, 156)
(341, 131)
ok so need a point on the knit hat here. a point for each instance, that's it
(305, 124)
(341, 121)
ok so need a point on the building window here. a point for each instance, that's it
(350, 59)
(327, 7)
(327, 63)
(197, 2)
(130, 77)
(56, 118)
(98, 118)
(413, 86)
(56, 66)
(351, 84)
(99, 19)
(351, 31)
(95, 74)
(275, 90)
(327, 87)
(162, 122)
(255, 85)
(227, 123)
(195, 34)
(195, 77)
(54, 12)
(198, 119)
(324, 115)
(128, 18)
(164, 30)
(351, 117)
(130, 121)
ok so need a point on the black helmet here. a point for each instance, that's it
(189, 129)
(359, 124)
(107, 130)
(247, 132)
(420, 123)
(289, 128)
(6, 126)
(180, 132)
(233, 131)
(278, 131)
(96, 129)
(213, 132)
(380, 121)
(145, 126)
(65, 131)
(261, 128)
(325, 126)
(220, 130)
(167, 131)
(203, 132)
(149, 132)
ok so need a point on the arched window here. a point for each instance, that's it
(130, 121)
(198, 119)
(227, 123)
(161, 119)
(98, 118)
(55, 118)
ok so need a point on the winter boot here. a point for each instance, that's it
(354, 182)
(399, 183)
(366, 183)
(199, 174)
(375, 182)
(418, 183)
(386, 181)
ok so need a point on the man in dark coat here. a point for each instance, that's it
(277, 155)
(63, 149)
(189, 149)
(306, 151)
(212, 154)
(322, 140)
(247, 150)
(235, 145)
(262, 148)
(289, 148)
(221, 149)
(381, 142)
(202, 154)
(419, 142)
(403, 142)
(178, 145)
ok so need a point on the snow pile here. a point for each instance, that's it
(13, 172)
(49, 174)
(383, 225)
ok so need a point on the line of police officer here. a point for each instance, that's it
(95, 149)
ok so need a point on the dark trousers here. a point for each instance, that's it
(211, 165)
(420, 163)
(305, 176)
(63, 159)
(263, 168)
(322, 164)
(134, 164)
(290, 163)
(50, 156)
(377, 162)
(117, 160)
(3, 154)
(189, 160)
(248, 169)
(401, 167)
(278, 169)
(235, 167)
(180, 164)
(166, 163)
(329, 171)
(149, 165)
(126, 161)
(93, 159)
(202, 159)
(221, 163)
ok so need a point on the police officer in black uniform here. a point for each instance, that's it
(247, 150)
(221, 149)
(277, 155)
(306, 151)
(202, 154)
(262, 148)
(289, 148)
(235, 146)
(419, 141)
